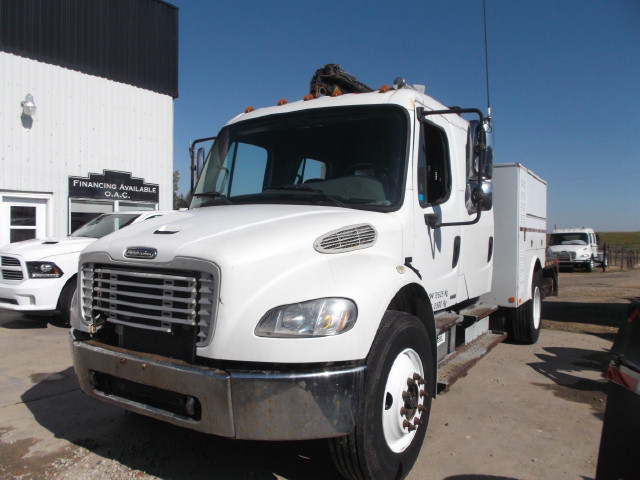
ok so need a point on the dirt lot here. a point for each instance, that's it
(524, 412)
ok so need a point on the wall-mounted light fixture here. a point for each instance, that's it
(28, 106)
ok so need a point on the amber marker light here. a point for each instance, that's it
(282, 101)
(512, 300)
(308, 97)
(336, 92)
(384, 89)
(248, 110)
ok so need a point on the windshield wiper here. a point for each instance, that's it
(214, 195)
(307, 188)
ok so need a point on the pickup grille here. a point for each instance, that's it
(167, 312)
(11, 269)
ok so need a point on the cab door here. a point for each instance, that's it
(438, 249)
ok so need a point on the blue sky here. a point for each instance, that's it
(564, 78)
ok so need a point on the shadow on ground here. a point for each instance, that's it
(30, 322)
(572, 371)
(603, 314)
(161, 449)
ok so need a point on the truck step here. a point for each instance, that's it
(459, 362)
(446, 320)
(477, 312)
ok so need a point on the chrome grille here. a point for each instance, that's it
(566, 256)
(11, 269)
(149, 299)
(346, 239)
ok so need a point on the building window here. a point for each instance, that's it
(22, 223)
(128, 206)
(24, 216)
(83, 211)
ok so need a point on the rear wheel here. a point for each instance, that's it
(395, 406)
(528, 317)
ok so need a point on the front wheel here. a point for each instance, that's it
(64, 302)
(394, 411)
(590, 265)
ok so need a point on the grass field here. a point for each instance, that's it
(620, 239)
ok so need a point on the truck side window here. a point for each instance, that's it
(434, 172)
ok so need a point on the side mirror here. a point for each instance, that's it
(199, 161)
(475, 196)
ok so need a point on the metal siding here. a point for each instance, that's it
(82, 124)
(130, 41)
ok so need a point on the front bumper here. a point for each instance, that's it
(33, 295)
(250, 405)
(574, 263)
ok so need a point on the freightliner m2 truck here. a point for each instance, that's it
(337, 266)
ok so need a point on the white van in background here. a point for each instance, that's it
(575, 247)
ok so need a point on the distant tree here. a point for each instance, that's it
(179, 200)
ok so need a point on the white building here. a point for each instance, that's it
(86, 111)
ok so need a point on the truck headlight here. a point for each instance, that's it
(315, 318)
(44, 270)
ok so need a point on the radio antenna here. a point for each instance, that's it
(486, 60)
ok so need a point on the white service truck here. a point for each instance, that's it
(336, 267)
(576, 248)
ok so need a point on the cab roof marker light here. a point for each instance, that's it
(282, 101)
(384, 89)
(248, 110)
(336, 92)
(308, 97)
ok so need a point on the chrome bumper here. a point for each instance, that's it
(256, 405)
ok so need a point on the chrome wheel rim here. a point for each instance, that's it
(537, 307)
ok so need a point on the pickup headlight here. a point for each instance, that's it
(315, 318)
(44, 270)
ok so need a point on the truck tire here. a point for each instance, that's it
(64, 302)
(396, 402)
(527, 318)
(590, 265)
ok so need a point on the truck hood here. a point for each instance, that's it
(231, 235)
(44, 248)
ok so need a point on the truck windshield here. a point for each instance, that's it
(105, 224)
(351, 157)
(569, 239)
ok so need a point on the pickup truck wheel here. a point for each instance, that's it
(64, 302)
(395, 405)
(528, 317)
(590, 265)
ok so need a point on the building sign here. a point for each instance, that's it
(113, 185)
